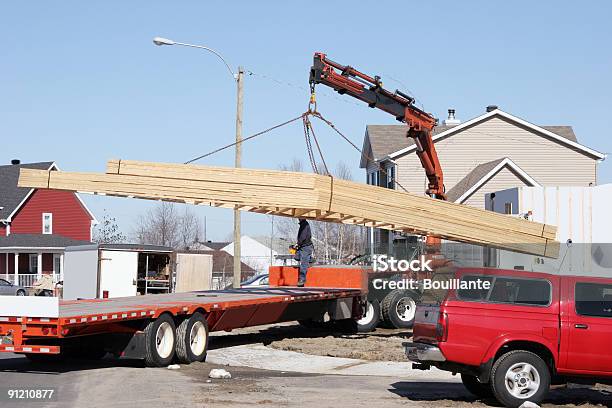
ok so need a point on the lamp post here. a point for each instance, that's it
(238, 77)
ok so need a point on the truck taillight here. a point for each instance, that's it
(442, 327)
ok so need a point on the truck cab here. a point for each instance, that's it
(512, 333)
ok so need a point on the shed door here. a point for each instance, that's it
(118, 273)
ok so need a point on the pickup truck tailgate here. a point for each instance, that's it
(425, 323)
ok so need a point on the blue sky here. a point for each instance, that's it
(82, 82)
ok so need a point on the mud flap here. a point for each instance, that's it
(341, 309)
(135, 347)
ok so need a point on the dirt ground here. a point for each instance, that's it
(380, 345)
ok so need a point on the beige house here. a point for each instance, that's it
(491, 152)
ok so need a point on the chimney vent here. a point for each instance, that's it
(451, 120)
(491, 108)
(15, 161)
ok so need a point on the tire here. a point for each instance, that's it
(521, 367)
(391, 305)
(160, 341)
(371, 317)
(192, 339)
(475, 387)
(20, 292)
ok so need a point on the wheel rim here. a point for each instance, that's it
(20, 293)
(164, 340)
(406, 308)
(197, 338)
(522, 380)
(368, 316)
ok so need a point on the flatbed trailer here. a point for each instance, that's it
(161, 327)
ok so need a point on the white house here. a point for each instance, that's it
(255, 254)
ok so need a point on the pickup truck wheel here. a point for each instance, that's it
(399, 309)
(192, 339)
(477, 388)
(371, 317)
(160, 340)
(519, 376)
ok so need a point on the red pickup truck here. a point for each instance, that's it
(519, 335)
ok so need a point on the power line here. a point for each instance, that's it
(245, 139)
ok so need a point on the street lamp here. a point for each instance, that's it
(238, 77)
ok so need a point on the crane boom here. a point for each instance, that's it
(347, 80)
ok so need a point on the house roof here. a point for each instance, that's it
(222, 261)
(136, 247)
(483, 173)
(390, 141)
(13, 197)
(215, 246)
(50, 241)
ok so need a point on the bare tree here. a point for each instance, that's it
(108, 232)
(159, 226)
(334, 243)
(189, 228)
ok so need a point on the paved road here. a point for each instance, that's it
(112, 383)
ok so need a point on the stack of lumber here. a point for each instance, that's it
(305, 195)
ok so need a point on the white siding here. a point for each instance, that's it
(504, 179)
(546, 160)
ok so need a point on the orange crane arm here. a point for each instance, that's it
(347, 80)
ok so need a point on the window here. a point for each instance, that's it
(593, 299)
(508, 208)
(4, 283)
(33, 263)
(47, 223)
(57, 263)
(391, 176)
(517, 291)
(474, 294)
(373, 178)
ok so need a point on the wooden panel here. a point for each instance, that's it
(304, 195)
(193, 272)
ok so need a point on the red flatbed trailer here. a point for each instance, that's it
(141, 326)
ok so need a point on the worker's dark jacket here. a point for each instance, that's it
(304, 235)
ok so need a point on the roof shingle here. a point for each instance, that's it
(11, 195)
(38, 241)
(471, 179)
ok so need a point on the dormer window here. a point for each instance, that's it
(47, 223)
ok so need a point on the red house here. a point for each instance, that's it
(37, 225)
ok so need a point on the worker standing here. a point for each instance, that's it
(304, 250)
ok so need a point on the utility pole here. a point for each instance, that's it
(237, 234)
(238, 77)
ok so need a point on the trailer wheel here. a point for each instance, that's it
(160, 341)
(399, 309)
(371, 317)
(192, 339)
